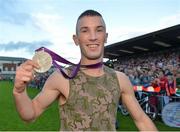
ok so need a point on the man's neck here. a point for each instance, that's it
(89, 62)
(92, 71)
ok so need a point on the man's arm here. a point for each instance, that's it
(141, 120)
(30, 109)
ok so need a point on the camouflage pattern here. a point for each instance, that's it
(92, 103)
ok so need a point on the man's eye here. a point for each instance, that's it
(99, 30)
(83, 31)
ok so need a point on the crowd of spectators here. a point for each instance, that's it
(152, 69)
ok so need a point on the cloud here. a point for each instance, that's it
(11, 12)
(59, 35)
(27, 46)
(123, 33)
(170, 20)
(50, 23)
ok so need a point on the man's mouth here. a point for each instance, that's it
(92, 45)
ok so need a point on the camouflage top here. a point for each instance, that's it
(92, 103)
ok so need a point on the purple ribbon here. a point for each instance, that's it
(56, 57)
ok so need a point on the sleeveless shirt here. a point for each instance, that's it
(92, 103)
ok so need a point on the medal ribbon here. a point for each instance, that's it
(57, 58)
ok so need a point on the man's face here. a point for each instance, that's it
(91, 36)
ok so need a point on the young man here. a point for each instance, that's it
(88, 101)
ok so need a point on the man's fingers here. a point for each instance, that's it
(26, 79)
(29, 64)
(28, 68)
(25, 73)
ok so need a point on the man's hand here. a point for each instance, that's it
(24, 74)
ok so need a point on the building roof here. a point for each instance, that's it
(3, 58)
(155, 41)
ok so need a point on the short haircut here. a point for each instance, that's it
(88, 13)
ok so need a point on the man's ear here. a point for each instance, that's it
(106, 38)
(75, 39)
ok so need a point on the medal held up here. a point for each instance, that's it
(46, 58)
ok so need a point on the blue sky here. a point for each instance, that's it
(26, 25)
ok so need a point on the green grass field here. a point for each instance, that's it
(49, 120)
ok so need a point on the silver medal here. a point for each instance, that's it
(44, 60)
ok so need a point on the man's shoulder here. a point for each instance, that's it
(56, 76)
(57, 81)
(121, 74)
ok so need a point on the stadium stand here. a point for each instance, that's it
(152, 63)
(8, 67)
(152, 59)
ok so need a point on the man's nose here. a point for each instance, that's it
(93, 36)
